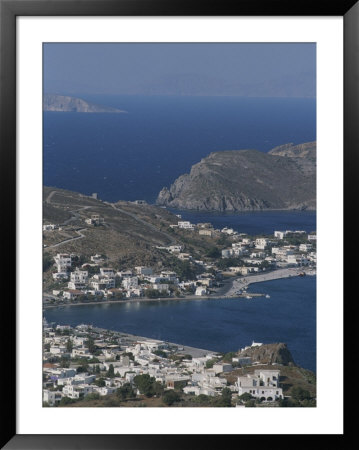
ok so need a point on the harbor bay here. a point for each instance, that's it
(217, 324)
(179, 226)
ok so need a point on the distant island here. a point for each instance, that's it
(63, 103)
(248, 180)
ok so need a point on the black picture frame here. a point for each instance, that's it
(9, 10)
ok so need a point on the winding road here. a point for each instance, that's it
(80, 236)
(76, 216)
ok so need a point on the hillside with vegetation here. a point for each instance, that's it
(129, 235)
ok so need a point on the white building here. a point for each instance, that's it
(243, 360)
(227, 253)
(95, 219)
(58, 350)
(261, 243)
(229, 231)
(305, 247)
(96, 258)
(205, 232)
(263, 384)
(257, 255)
(107, 272)
(279, 234)
(125, 273)
(63, 262)
(281, 252)
(162, 287)
(201, 291)
(100, 283)
(222, 367)
(82, 351)
(175, 248)
(292, 259)
(72, 293)
(105, 390)
(185, 224)
(77, 391)
(130, 283)
(141, 270)
(78, 279)
(51, 397)
(169, 276)
(60, 276)
(49, 227)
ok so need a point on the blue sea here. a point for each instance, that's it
(220, 325)
(132, 156)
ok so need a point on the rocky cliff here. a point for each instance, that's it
(62, 103)
(270, 354)
(243, 180)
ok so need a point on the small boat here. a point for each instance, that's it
(267, 296)
(247, 296)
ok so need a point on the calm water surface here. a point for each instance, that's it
(133, 156)
(220, 325)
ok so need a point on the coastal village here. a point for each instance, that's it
(260, 259)
(84, 364)
(87, 366)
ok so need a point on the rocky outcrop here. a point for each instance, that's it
(244, 180)
(307, 150)
(270, 354)
(62, 103)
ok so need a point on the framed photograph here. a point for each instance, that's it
(168, 170)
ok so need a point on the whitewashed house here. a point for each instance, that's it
(78, 279)
(142, 270)
(305, 247)
(51, 397)
(130, 283)
(107, 272)
(261, 243)
(185, 224)
(63, 262)
(201, 290)
(263, 384)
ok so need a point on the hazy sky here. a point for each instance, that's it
(284, 70)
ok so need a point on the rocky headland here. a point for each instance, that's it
(63, 103)
(245, 180)
(277, 353)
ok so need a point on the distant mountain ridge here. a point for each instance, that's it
(247, 180)
(302, 85)
(64, 103)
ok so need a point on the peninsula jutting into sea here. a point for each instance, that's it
(65, 103)
(246, 180)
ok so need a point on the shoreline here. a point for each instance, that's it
(244, 282)
(195, 352)
(229, 290)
